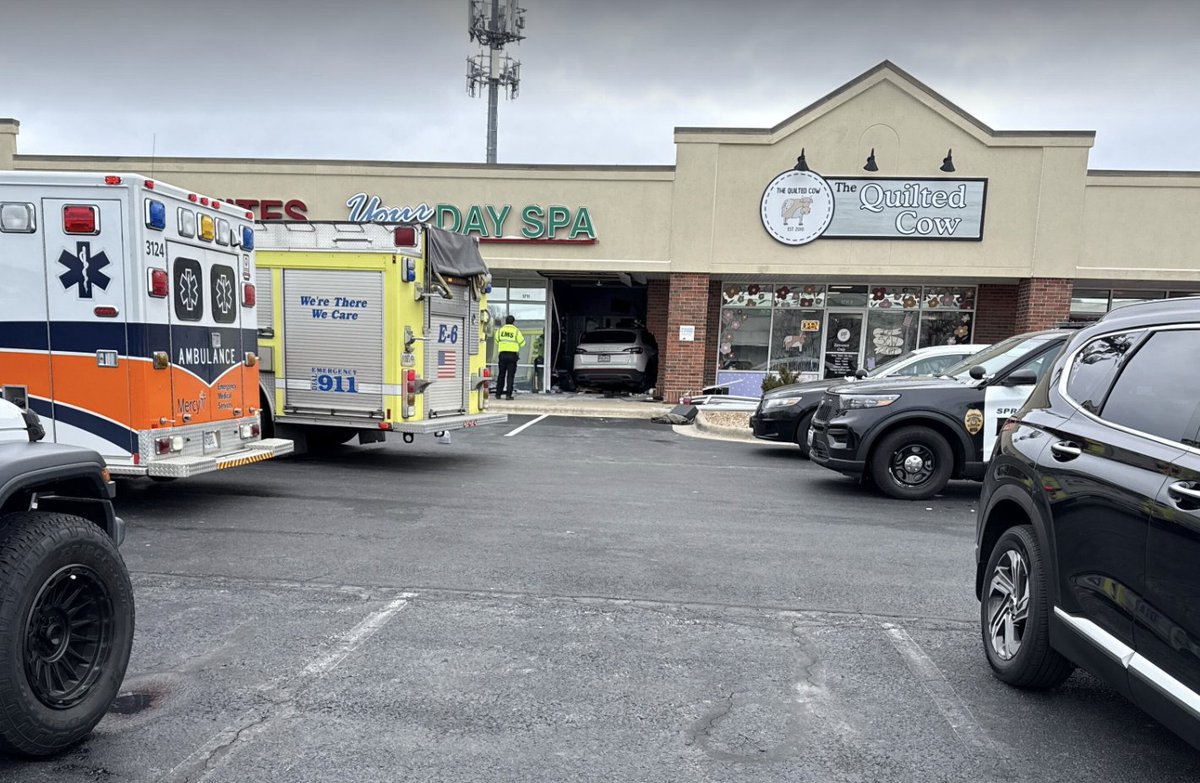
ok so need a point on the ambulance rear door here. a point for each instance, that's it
(207, 339)
(86, 278)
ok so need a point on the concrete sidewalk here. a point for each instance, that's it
(580, 404)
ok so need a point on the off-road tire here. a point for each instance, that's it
(801, 436)
(39, 550)
(903, 441)
(1035, 665)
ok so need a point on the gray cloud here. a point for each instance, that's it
(603, 82)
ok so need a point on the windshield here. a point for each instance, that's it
(886, 367)
(999, 355)
(609, 336)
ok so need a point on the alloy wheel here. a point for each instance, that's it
(1008, 604)
(68, 636)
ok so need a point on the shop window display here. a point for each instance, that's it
(946, 328)
(890, 332)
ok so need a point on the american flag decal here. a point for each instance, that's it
(447, 365)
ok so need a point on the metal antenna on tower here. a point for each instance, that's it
(495, 24)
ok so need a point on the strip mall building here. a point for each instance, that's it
(741, 259)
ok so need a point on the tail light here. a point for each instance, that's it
(249, 295)
(410, 393)
(581, 349)
(168, 444)
(158, 283)
(248, 431)
(485, 389)
(634, 349)
(80, 219)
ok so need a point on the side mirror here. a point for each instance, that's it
(1024, 377)
(860, 373)
(977, 372)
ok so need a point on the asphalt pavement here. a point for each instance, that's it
(574, 600)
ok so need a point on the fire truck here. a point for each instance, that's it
(367, 328)
(127, 314)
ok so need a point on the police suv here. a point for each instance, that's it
(911, 436)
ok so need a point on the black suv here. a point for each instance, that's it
(1088, 537)
(912, 435)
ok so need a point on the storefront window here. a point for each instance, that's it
(769, 327)
(1088, 303)
(946, 328)
(526, 302)
(890, 332)
(796, 341)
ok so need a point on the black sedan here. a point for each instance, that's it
(784, 413)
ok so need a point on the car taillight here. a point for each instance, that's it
(249, 295)
(581, 349)
(80, 219)
(158, 283)
(634, 349)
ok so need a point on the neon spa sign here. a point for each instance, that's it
(486, 221)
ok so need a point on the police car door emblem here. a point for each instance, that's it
(83, 270)
(973, 421)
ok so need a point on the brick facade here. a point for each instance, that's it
(1042, 303)
(995, 312)
(657, 294)
(714, 332)
(682, 364)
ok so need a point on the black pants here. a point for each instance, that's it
(508, 373)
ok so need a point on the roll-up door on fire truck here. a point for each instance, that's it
(445, 360)
(333, 341)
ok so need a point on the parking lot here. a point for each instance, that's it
(581, 599)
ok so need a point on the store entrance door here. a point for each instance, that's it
(843, 342)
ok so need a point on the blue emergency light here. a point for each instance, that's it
(410, 270)
(156, 214)
(247, 237)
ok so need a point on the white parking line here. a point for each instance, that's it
(953, 709)
(526, 425)
(282, 697)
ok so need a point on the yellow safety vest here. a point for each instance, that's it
(509, 338)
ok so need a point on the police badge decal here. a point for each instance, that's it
(973, 421)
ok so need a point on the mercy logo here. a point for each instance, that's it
(83, 270)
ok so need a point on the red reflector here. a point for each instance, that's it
(487, 372)
(410, 376)
(79, 219)
(412, 387)
(204, 201)
(249, 295)
(158, 283)
(249, 216)
(162, 446)
(149, 184)
(136, 458)
(111, 180)
(406, 236)
(105, 312)
(255, 430)
(192, 197)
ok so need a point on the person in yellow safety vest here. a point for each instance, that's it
(509, 342)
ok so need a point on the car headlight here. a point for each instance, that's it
(780, 402)
(853, 401)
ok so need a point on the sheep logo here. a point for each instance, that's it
(796, 208)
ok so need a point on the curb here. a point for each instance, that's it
(702, 424)
(581, 411)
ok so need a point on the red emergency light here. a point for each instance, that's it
(216, 205)
(405, 236)
(204, 201)
(249, 295)
(80, 219)
(105, 312)
(111, 180)
(149, 184)
(158, 283)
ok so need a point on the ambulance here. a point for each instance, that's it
(367, 328)
(127, 321)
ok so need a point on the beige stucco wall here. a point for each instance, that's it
(1142, 226)
(1032, 223)
(630, 207)
(8, 142)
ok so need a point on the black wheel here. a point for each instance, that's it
(66, 630)
(801, 436)
(912, 463)
(324, 438)
(1014, 614)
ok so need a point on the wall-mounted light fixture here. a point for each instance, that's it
(801, 163)
(871, 166)
(948, 161)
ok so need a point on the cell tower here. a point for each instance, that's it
(495, 24)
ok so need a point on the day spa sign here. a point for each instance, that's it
(532, 221)
(800, 206)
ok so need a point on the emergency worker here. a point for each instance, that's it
(509, 342)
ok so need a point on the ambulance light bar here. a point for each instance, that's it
(248, 235)
(111, 180)
(156, 214)
(187, 223)
(18, 218)
(208, 226)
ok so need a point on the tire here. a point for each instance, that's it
(893, 472)
(45, 558)
(1015, 619)
(801, 436)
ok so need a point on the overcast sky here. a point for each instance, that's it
(604, 81)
